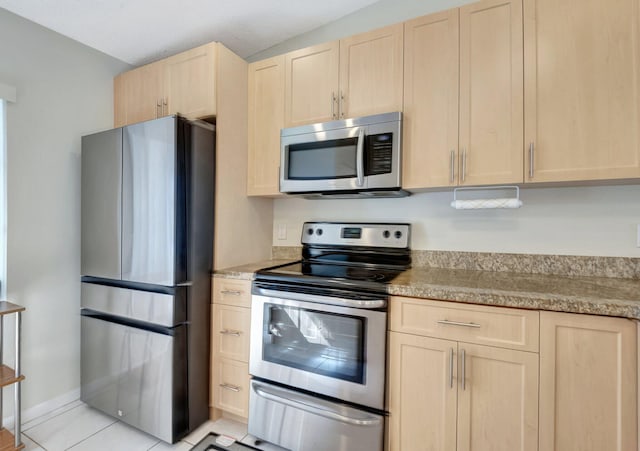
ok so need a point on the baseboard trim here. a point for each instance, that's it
(44, 407)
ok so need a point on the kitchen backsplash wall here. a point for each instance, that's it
(593, 220)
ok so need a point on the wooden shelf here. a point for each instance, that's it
(7, 308)
(7, 441)
(8, 377)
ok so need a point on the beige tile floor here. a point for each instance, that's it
(78, 427)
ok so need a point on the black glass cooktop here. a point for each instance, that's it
(326, 274)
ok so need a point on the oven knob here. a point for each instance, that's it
(398, 234)
(386, 234)
(309, 231)
(318, 232)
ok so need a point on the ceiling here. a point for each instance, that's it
(140, 31)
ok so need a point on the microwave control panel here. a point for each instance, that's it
(379, 152)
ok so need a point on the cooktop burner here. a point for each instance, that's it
(354, 256)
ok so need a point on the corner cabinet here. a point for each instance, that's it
(356, 76)
(582, 90)
(266, 118)
(462, 377)
(230, 322)
(588, 383)
(463, 96)
(183, 83)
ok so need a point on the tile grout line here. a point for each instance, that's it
(39, 445)
(91, 435)
(31, 426)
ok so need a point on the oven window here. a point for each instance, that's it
(314, 341)
(333, 159)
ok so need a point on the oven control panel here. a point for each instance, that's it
(356, 234)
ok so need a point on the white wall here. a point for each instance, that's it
(571, 221)
(64, 90)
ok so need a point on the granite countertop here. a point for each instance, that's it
(246, 272)
(572, 294)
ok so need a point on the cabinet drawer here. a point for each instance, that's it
(494, 326)
(232, 292)
(230, 389)
(230, 332)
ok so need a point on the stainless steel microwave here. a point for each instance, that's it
(359, 157)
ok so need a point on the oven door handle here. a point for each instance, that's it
(329, 300)
(314, 406)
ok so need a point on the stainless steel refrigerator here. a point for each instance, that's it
(147, 256)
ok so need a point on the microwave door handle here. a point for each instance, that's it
(360, 158)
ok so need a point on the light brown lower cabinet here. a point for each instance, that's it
(588, 383)
(446, 395)
(230, 323)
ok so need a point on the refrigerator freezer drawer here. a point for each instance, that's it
(136, 376)
(161, 309)
(301, 422)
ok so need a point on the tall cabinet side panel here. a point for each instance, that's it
(148, 202)
(101, 234)
(200, 164)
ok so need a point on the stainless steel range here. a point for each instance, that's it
(318, 339)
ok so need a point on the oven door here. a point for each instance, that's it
(333, 350)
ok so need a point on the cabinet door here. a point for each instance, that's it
(230, 332)
(371, 72)
(422, 393)
(138, 94)
(588, 383)
(430, 119)
(491, 92)
(266, 118)
(498, 401)
(311, 85)
(189, 87)
(582, 89)
(230, 391)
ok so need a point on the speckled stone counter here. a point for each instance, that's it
(246, 272)
(592, 295)
(529, 290)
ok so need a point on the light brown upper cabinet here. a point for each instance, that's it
(356, 76)
(136, 94)
(183, 83)
(463, 96)
(266, 118)
(582, 89)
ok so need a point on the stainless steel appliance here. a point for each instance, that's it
(318, 339)
(147, 252)
(358, 157)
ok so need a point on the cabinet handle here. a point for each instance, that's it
(446, 322)
(230, 387)
(232, 292)
(531, 150)
(464, 164)
(463, 355)
(333, 105)
(158, 108)
(452, 163)
(234, 333)
(165, 106)
(341, 105)
(451, 368)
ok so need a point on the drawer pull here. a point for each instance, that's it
(446, 322)
(234, 388)
(234, 333)
(232, 292)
